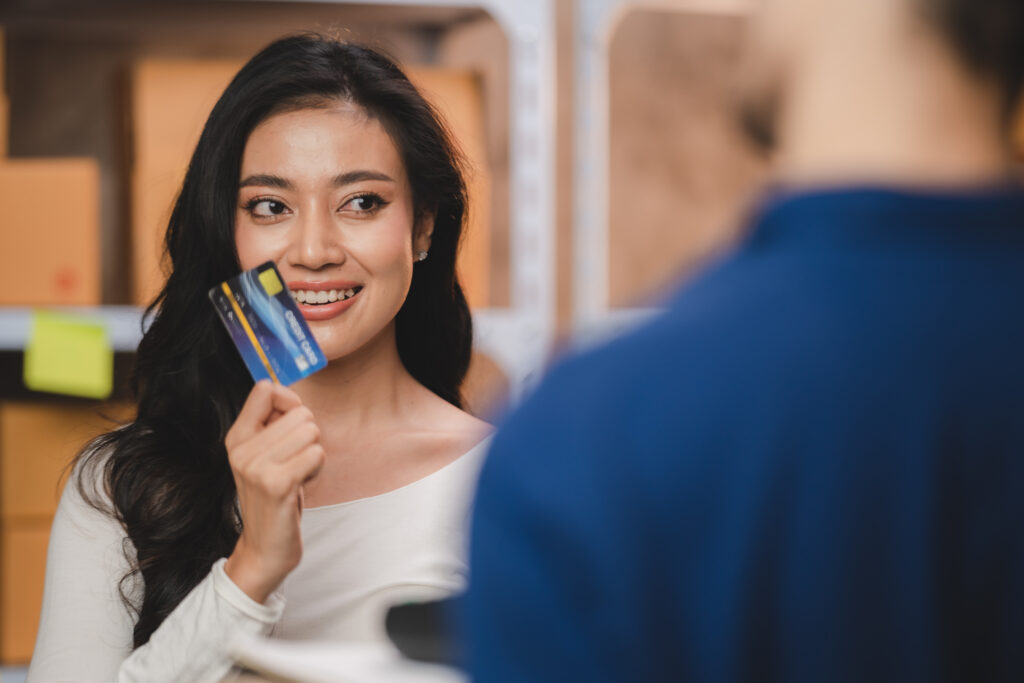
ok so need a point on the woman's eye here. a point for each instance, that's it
(367, 203)
(267, 208)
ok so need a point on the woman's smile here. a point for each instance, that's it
(324, 300)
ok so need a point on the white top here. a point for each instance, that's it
(358, 558)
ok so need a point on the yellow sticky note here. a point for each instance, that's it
(271, 283)
(68, 355)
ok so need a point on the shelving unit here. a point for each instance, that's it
(123, 323)
(596, 23)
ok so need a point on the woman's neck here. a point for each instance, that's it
(364, 388)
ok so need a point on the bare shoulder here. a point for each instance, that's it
(451, 430)
(460, 424)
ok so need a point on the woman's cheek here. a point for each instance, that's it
(256, 246)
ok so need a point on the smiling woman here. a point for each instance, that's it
(228, 508)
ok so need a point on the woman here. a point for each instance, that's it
(228, 508)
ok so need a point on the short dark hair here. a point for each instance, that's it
(988, 35)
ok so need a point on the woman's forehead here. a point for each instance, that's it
(322, 142)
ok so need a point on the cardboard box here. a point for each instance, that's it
(22, 571)
(50, 241)
(37, 443)
(170, 100)
(457, 95)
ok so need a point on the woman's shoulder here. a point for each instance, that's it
(454, 419)
(460, 434)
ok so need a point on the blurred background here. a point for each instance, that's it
(605, 167)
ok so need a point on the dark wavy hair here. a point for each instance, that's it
(166, 474)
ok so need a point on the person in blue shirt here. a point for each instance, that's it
(811, 467)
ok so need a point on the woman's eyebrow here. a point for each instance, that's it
(358, 176)
(266, 180)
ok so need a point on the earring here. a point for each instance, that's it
(421, 256)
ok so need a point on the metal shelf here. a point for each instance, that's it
(124, 324)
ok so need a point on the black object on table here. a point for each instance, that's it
(425, 631)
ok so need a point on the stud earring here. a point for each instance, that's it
(421, 256)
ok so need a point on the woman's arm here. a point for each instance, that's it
(85, 629)
(194, 641)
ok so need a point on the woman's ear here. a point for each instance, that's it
(423, 232)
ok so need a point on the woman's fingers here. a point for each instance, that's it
(279, 439)
(255, 412)
(296, 427)
(283, 479)
(266, 453)
(307, 462)
(284, 399)
(266, 401)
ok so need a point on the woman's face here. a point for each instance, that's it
(323, 193)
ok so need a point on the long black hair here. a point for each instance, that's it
(167, 474)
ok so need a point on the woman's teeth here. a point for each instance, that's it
(309, 296)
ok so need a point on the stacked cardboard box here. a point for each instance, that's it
(49, 256)
(37, 444)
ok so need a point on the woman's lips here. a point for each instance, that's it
(327, 311)
(325, 286)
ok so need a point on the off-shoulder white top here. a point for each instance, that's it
(358, 558)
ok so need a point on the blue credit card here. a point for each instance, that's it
(265, 323)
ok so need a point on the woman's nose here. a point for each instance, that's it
(317, 241)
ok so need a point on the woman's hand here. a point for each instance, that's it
(273, 447)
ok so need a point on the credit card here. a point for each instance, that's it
(266, 326)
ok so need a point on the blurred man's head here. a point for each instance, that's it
(861, 65)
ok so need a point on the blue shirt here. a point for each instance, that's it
(811, 468)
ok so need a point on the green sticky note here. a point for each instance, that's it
(68, 355)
